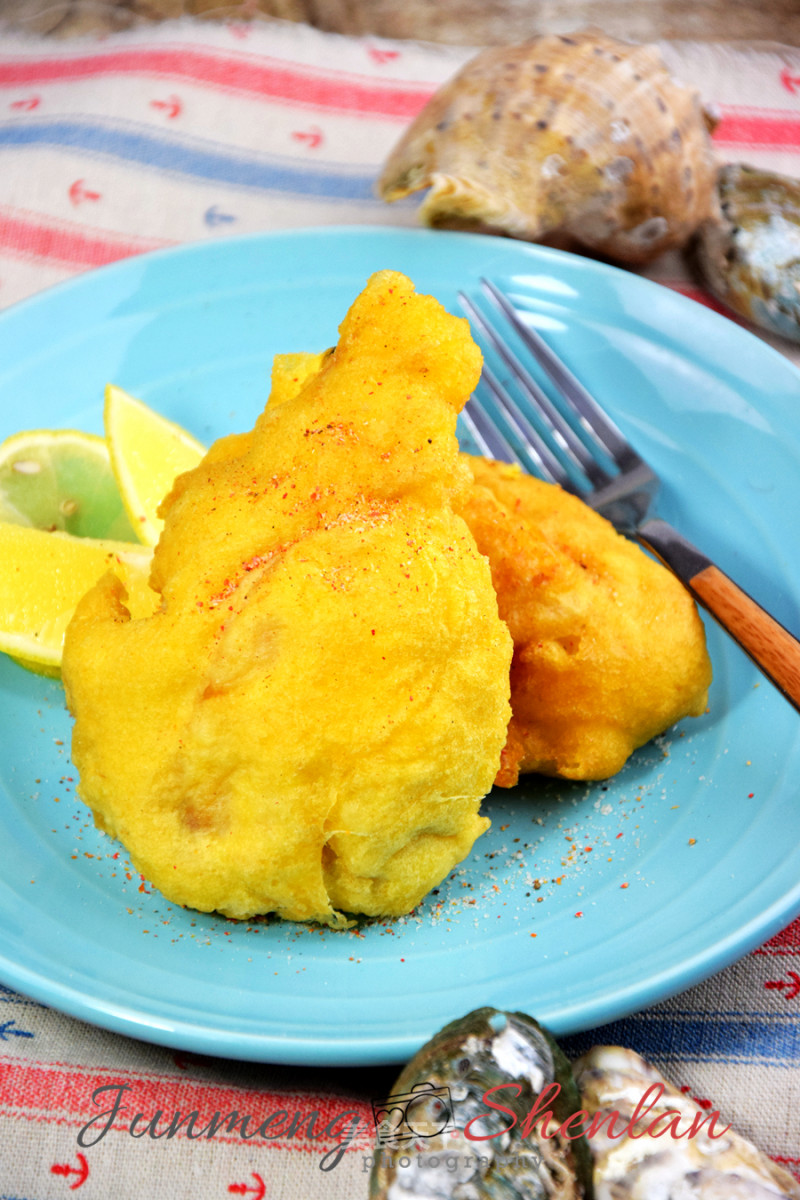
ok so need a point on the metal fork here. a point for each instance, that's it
(587, 454)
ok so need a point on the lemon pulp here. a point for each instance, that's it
(62, 480)
(147, 452)
(42, 578)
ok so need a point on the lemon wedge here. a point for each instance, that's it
(147, 452)
(42, 578)
(61, 479)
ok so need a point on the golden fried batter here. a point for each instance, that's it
(309, 723)
(609, 649)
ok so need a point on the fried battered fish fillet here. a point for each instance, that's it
(609, 649)
(308, 724)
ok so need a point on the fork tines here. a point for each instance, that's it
(569, 440)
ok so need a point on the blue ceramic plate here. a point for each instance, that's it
(682, 863)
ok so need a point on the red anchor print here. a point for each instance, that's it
(382, 56)
(312, 136)
(27, 105)
(241, 1189)
(184, 1061)
(790, 987)
(78, 193)
(171, 107)
(705, 1104)
(790, 82)
(82, 1171)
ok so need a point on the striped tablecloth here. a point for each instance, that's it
(190, 131)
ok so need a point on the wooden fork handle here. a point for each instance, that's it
(773, 649)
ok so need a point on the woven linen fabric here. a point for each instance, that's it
(191, 131)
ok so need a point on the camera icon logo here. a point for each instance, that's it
(424, 1112)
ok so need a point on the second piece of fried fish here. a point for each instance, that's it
(609, 649)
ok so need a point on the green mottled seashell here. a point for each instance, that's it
(750, 258)
(422, 1150)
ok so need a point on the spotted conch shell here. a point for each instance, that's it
(565, 139)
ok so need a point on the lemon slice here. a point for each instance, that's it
(147, 452)
(61, 479)
(42, 578)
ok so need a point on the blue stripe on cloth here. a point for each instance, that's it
(728, 1037)
(8, 996)
(193, 157)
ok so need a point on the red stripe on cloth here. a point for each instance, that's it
(702, 297)
(754, 127)
(273, 80)
(30, 236)
(317, 88)
(791, 1164)
(56, 1095)
(785, 942)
